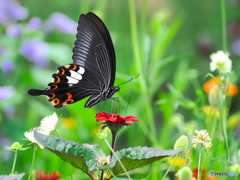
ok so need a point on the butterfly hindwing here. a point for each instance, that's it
(63, 90)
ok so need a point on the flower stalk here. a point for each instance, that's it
(181, 143)
(33, 161)
(217, 97)
(114, 122)
(14, 162)
(203, 140)
(224, 45)
(113, 152)
(164, 176)
(114, 135)
(199, 163)
(223, 119)
(102, 173)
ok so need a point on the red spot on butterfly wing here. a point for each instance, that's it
(69, 99)
(51, 95)
(55, 102)
(57, 79)
(54, 86)
(61, 71)
(72, 67)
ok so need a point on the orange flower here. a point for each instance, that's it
(47, 176)
(211, 178)
(232, 89)
(195, 172)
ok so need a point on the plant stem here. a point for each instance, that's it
(14, 162)
(224, 131)
(212, 115)
(199, 164)
(223, 115)
(101, 178)
(223, 111)
(70, 168)
(114, 135)
(33, 160)
(112, 152)
(224, 29)
(169, 168)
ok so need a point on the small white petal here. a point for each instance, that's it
(212, 66)
(48, 123)
(30, 137)
(220, 61)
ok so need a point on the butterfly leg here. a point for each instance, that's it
(117, 108)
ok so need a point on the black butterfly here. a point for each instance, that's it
(92, 72)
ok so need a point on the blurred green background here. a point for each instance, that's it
(169, 46)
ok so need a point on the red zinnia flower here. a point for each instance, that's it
(115, 118)
(47, 176)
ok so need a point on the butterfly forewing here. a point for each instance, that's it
(109, 49)
(92, 33)
(92, 72)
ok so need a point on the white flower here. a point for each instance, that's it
(46, 126)
(220, 61)
(29, 135)
(202, 138)
(49, 123)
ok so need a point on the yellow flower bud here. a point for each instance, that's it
(16, 146)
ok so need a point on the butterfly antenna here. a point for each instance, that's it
(128, 80)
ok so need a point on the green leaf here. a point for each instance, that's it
(132, 158)
(80, 156)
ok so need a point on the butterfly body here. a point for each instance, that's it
(92, 72)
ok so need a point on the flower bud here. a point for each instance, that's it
(215, 97)
(102, 132)
(185, 173)
(103, 162)
(16, 146)
(181, 143)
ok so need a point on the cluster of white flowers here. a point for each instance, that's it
(202, 138)
(47, 125)
(220, 61)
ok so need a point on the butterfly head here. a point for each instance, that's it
(111, 91)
